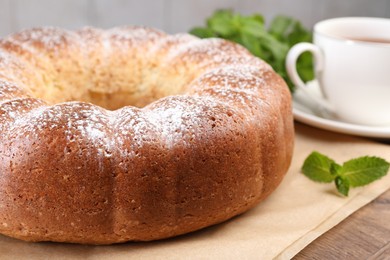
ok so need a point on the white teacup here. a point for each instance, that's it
(352, 65)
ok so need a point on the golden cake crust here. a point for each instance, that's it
(130, 134)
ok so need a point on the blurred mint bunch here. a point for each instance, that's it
(270, 44)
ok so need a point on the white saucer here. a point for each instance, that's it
(307, 112)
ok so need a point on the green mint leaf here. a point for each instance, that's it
(342, 185)
(353, 173)
(281, 26)
(259, 18)
(271, 44)
(305, 66)
(317, 167)
(253, 27)
(298, 34)
(335, 169)
(202, 32)
(238, 39)
(364, 170)
(290, 31)
(221, 22)
(251, 43)
(278, 49)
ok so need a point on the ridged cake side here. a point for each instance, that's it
(211, 137)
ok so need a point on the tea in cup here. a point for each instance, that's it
(352, 66)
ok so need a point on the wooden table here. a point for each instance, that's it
(363, 235)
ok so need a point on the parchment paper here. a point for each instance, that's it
(293, 216)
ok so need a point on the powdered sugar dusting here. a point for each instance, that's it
(132, 35)
(102, 161)
(5, 59)
(232, 79)
(244, 88)
(14, 110)
(9, 64)
(246, 77)
(170, 122)
(211, 50)
(80, 123)
(208, 54)
(171, 42)
(134, 131)
(9, 90)
(181, 120)
(50, 38)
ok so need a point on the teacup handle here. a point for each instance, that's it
(291, 66)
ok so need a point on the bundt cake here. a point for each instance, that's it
(131, 134)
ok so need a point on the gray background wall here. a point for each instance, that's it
(170, 15)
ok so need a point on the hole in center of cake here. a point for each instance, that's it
(113, 96)
(124, 77)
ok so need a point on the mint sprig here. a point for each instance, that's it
(269, 43)
(353, 173)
